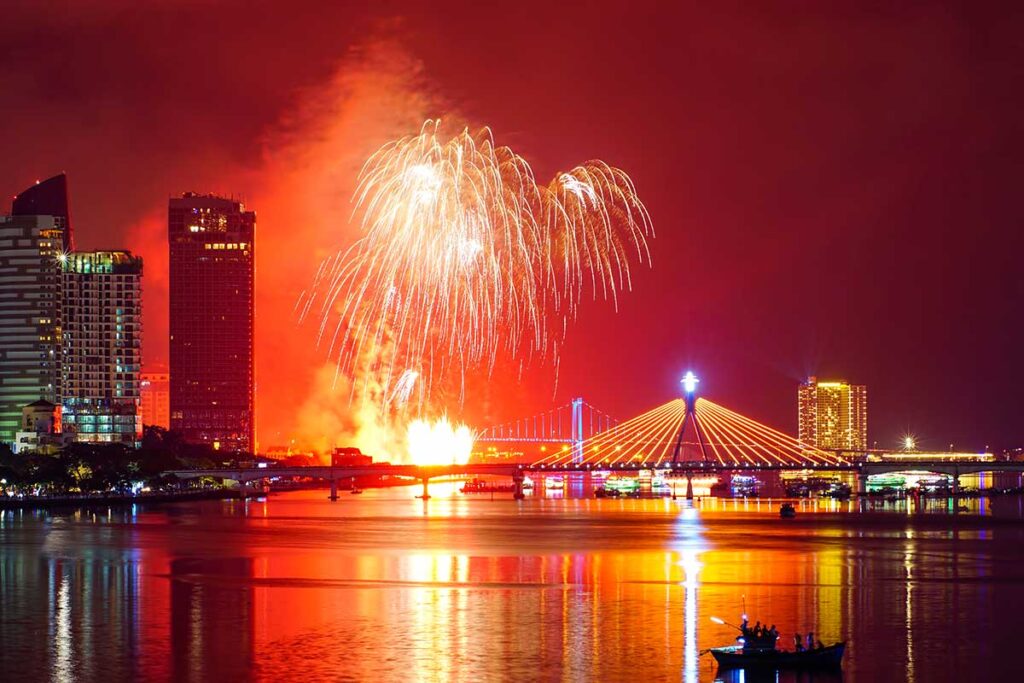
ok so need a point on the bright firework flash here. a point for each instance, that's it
(438, 443)
(465, 259)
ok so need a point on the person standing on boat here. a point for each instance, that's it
(810, 640)
(799, 642)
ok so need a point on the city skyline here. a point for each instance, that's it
(765, 281)
(459, 341)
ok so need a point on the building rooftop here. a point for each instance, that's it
(102, 262)
(196, 200)
(41, 403)
(46, 198)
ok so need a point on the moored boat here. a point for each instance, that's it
(482, 486)
(787, 510)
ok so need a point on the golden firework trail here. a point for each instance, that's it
(464, 258)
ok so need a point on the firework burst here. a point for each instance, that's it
(464, 258)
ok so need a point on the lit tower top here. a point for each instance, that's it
(689, 382)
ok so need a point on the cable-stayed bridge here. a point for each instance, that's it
(683, 430)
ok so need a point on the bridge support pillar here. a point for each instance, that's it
(955, 484)
(334, 489)
(862, 484)
(517, 485)
(426, 490)
(689, 486)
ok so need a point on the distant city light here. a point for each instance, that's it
(909, 443)
(690, 382)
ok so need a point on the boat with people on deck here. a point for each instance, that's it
(755, 648)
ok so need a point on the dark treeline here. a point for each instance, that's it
(92, 467)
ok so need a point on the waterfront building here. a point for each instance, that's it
(102, 340)
(31, 247)
(833, 415)
(40, 429)
(211, 321)
(155, 397)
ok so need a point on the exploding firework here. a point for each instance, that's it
(438, 443)
(464, 258)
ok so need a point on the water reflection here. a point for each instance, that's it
(691, 545)
(386, 587)
(212, 618)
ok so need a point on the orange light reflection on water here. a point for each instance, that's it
(388, 587)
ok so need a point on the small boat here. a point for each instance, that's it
(356, 492)
(786, 510)
(736, 657)
(481, 486)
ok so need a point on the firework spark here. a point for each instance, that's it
(465, 258)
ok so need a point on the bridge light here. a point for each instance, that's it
(689, 382)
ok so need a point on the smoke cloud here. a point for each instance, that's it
(303, 202)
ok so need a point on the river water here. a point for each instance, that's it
(386, 587)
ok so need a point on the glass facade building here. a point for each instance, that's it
(211, 321)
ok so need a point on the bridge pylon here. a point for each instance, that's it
(576, 438)
(690, 383)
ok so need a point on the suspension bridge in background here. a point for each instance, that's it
(572, 423)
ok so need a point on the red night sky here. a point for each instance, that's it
(833, 185)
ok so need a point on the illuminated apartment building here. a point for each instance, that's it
(155, 394)
(102, 339)
(30, 328)
(833, 415)
(211, 321)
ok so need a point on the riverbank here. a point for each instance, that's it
(90, 499)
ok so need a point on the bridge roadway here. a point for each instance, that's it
(863, 469)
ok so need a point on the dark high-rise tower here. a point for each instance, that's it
(48, 198)
(211, 321)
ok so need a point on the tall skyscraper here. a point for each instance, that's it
(102, 340)
(833, 415)
(211, 321)
(48, 198)
(30, 329)
(155, 394)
